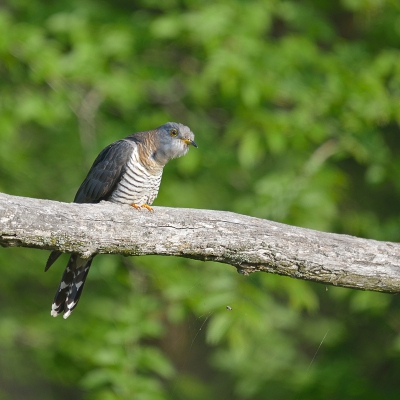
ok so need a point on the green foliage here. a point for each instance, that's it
(295, 106)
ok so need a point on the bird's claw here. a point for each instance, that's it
(147, 207)
(142, 206)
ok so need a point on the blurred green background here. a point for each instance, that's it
(295, 106)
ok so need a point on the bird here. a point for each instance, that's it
(127, 171)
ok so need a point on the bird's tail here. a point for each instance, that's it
(71, 285)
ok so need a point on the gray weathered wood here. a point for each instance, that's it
(250, 244)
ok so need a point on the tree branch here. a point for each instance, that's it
(250, 244)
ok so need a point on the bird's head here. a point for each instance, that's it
(174, 140)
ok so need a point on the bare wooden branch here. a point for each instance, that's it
(250, 244)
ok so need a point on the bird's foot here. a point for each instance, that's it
(148, 207)
(142, 206)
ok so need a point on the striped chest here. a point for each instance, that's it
(137, 184)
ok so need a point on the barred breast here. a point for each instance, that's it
(137, 184)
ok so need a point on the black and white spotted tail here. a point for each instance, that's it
(71, 285)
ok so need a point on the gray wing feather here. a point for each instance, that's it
(102, 178)
(105, 173)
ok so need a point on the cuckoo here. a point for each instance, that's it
(127, 171)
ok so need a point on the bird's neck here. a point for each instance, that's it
(159, 157)
(153, 160)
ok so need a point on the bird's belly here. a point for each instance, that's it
(136, 187)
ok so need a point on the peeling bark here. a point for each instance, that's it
(250, 244)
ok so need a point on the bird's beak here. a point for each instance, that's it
(190, 142)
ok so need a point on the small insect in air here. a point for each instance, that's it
(229, 308)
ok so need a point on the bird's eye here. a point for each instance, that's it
(173, 132)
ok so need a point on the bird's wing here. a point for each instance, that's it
(105, 173)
